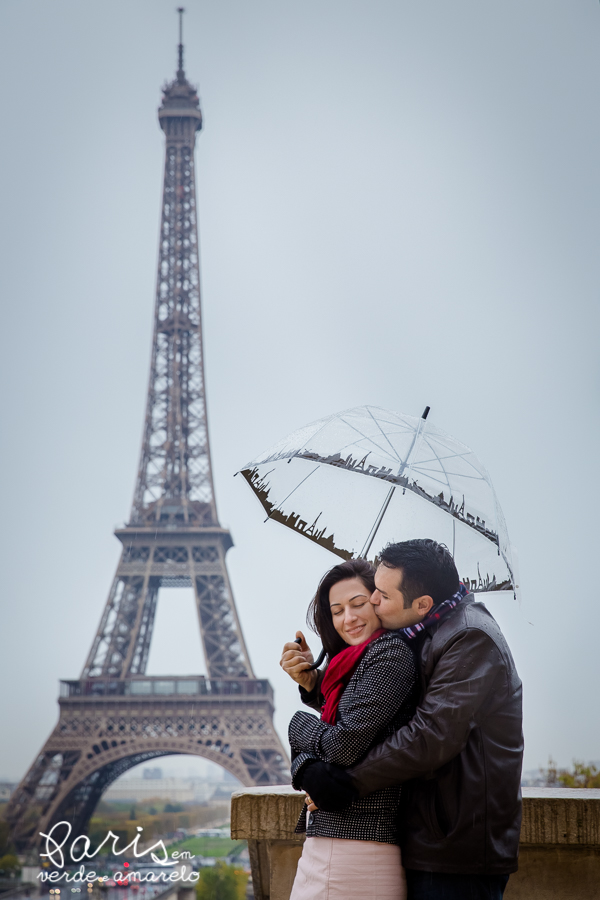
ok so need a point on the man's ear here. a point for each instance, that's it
(422, 605)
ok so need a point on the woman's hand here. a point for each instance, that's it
(311, 806)
(295, 660)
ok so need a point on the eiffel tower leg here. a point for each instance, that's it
(122, 642)
(224, 648)
(101, 736)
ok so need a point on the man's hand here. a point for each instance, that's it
(327, 786)
(295, 660)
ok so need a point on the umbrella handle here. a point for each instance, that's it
(320, 657)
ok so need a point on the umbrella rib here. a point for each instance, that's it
(383, 451)
(315, 433)
(441, 464)
(439, 459)
(369, 438)
(464, 456)
(428, 472)
(377, 523)
(450, 455)
(340, 416)
(396, 419)
(404, 466)
(384, 434)
(281, 502)
(366, 437)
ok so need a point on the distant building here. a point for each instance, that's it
(533, 778)
(6, 789)
(151, 787)
(224, 790)
(152, 773)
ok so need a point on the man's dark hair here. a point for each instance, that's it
(427, 568)
(319, 613)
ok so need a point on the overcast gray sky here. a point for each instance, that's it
(398, 205)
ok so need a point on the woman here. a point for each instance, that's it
(367, 693)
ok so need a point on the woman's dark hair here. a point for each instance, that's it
(319, 614)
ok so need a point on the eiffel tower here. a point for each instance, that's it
(115, 716)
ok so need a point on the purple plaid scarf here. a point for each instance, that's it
(436, 614)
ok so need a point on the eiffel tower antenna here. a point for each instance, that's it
(180, 73)
(115, 716)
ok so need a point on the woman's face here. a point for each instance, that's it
(352, 612)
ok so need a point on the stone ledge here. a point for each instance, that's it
(559, 855)
(551, 816)
(561, 816)
(266, 813)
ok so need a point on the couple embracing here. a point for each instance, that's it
(412, 769)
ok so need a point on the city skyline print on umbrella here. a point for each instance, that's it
(358, 479)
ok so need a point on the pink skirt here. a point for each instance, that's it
(336, 869)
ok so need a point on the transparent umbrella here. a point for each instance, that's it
(358, 479)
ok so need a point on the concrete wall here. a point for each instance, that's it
(559, 856)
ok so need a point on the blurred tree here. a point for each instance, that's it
(221, 882)
(5, 842)
(580, 776)
(9, 864)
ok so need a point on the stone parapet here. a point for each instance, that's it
(266, 818)
(561, 816)
(559, 855)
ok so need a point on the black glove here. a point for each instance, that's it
(329, 786)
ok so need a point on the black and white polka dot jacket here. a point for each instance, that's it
(379, 699)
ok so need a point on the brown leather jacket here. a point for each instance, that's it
(460, 757)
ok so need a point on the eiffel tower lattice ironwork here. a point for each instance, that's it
(114, 716)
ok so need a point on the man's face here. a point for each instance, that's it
(388, 600)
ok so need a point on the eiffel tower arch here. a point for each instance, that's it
(115, 716)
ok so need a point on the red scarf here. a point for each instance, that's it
(339, 672)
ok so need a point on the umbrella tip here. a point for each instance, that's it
(425, 412)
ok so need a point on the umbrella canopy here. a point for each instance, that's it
(358, 479)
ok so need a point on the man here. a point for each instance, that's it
(460, 756)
